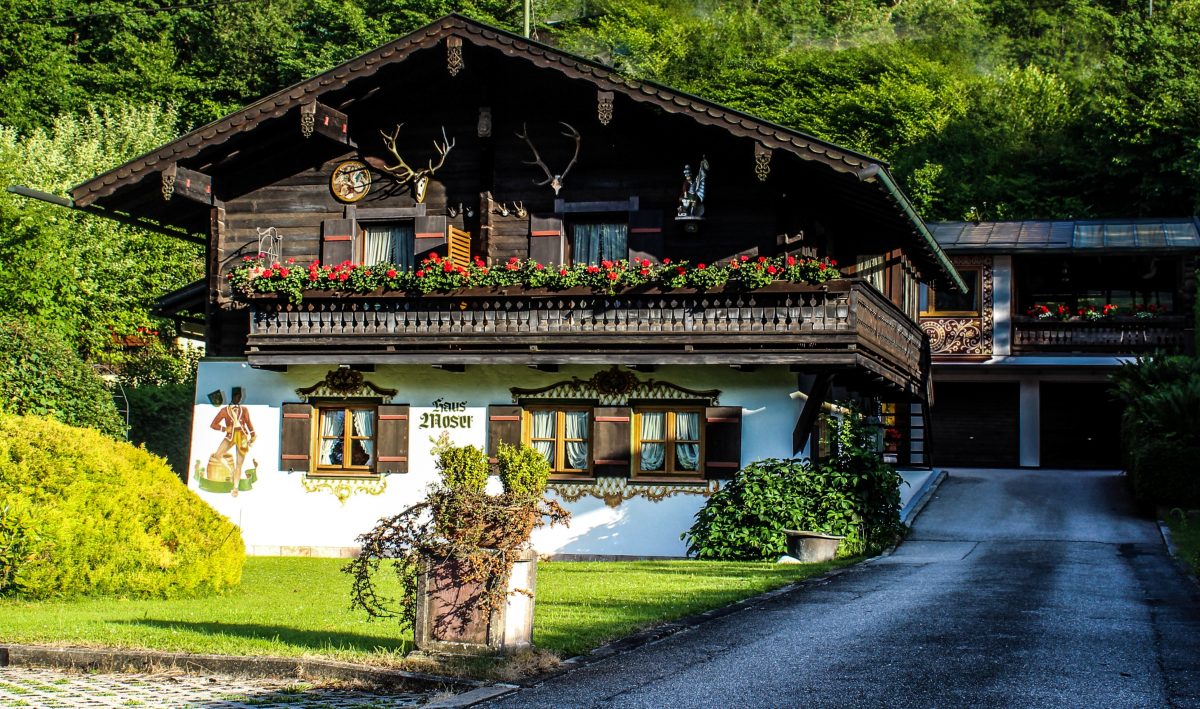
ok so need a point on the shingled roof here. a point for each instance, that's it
(1181, 234)
(204, 142)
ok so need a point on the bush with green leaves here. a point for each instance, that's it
(82, 514)
(41, 375)
(523, 470)
(160, 418)
(1160, 428)
(853, 493)
(463, 468)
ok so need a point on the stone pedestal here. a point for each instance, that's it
(445, 623)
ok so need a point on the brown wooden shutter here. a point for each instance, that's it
(612, 428)
(337, 240)
(295, 449)
(546, 240)
(504, 426)
(722, 441)
(430, 236)
(646, 235)
(391, 439)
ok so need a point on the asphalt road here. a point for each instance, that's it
(1014, 589)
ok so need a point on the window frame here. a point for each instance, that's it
(560, 440)
(669, 442)
(569, 223)
(360, 238)
(931, 308)
(344, 471)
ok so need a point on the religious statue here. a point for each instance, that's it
(691, 201)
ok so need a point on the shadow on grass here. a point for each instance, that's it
(309, 639)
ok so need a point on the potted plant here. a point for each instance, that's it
(467, 574)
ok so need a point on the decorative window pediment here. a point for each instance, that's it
(345, 384)
(616, 387)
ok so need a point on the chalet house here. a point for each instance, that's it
(1021, 357)
(462, 145)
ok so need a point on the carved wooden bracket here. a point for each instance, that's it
(181, 181)
(454, 56)
(604, 106)
(483, 128)
(762, 162)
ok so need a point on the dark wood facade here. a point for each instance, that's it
(770, 191)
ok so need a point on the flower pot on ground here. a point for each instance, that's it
(811, 547)
(462, 557)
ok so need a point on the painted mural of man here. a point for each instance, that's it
(234, 421)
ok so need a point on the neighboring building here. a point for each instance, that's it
(1021, 360)
(314, 420)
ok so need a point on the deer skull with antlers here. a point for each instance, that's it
(555, 181)
(418, 179)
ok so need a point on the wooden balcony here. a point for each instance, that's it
(1109, 336)
(842, 323)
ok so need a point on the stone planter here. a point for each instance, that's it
(811, 547)
(445, 623)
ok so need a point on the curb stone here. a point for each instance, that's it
(917, 504)
(115, 660)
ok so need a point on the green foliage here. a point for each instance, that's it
(41, 375)
(98, 517)
(852, 494)
(523, 470)
(1160, 428)
(463, 468)
(83, 277)
(160, 418)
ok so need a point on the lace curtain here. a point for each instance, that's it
(333, 424)
(654, 428)
(388, 243)
(543, 427)
(576, 451)
(364, 425)
(593, 243)
(687, 428)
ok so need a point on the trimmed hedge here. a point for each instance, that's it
(81, 514)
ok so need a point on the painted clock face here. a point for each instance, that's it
(351, 181)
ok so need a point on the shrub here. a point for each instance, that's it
(523, 471)
(463, 468)
(853, 493)
(41, 375)
(81, 514)
(160, 418)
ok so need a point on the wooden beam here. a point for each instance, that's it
(456, 368)
(544, 367)
(326, 121)
(189, 184)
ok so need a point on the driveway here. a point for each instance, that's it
(1015, 588)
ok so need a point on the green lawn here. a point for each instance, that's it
(1185, 532)
(298, 606)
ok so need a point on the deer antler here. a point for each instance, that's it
(419, 179)
(555, 181)
(443, 150)
(400, 170)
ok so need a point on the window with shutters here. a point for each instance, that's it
(386, 242)
(563, 436)
(668, 441)
(345, 440)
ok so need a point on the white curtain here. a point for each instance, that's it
(654, 427)
(577, 451)
(388, 243)
(543, 427)
(332, 427)
(364, 425)
(687, 428)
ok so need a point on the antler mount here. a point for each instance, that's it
(555, 181)
(418, 179)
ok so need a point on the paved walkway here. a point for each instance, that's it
(46, 689)
(1015, 589)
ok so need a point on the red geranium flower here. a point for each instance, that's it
(284, 272)
(791, 260)
(745, 258)
(666, 262)
(772, 270)
(762, 259)
(539, 267)
(606, 264)
(680, 270)
(613, 275)
(645, 272)
(562, 271)
(447, 267)
(267, 273)
(420, 274)
(701, 267)
(391, 273)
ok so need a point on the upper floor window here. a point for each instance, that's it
(954, 303)
(387, 242)
(668, 441)
(597, 241)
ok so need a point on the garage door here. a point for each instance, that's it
(1080, 426)
(976, 425)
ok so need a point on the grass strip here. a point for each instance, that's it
(1185, 532)
(299, 607)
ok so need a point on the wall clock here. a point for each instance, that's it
(351, 181)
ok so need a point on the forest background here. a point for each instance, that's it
(986, 109)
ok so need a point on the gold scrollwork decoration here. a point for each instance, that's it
(614, 491)
(615, 387)
(344, 488)
(604, 107)
(762, 162)
(954, 335)
(168, 185)
(454, 55)
(345, 382)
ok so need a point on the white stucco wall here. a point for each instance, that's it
(279, 513)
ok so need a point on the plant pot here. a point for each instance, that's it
(811, 547)
(447, 622)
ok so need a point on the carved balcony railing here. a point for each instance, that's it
(1107, 336)
(844, 322)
